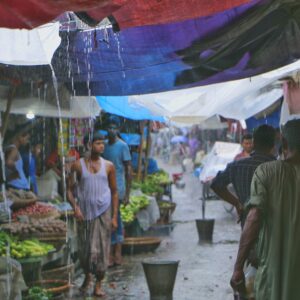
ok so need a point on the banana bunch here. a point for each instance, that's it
(20, 249)
(127, 215)
(136, 203)
(160, 177)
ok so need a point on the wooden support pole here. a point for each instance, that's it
(148, 145)
(139, 171)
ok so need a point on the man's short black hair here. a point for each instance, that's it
(291, 133)
(97, 136)
(114, 120)
(247, 136)
(264, 137)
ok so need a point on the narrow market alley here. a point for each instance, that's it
(204, 270)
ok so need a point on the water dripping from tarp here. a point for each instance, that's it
(44, 144)
(8, 212)
(119, 53)
(70, 75)
(63, 160)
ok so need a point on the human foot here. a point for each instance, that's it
(98, 292)
(111, 261)
(87, 283)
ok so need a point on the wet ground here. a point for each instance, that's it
(204, 270)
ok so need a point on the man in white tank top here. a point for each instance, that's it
(96, 193)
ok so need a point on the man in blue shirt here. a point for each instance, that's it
(118, 153)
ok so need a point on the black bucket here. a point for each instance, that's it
(205, 229)
(160, 276)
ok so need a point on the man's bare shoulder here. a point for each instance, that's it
(108, 163)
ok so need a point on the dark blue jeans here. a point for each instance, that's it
(117, 235)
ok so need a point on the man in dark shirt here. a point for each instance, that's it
(239, 173)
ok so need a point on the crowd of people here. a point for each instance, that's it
(266, 195)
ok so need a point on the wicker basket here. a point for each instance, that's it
(21, 203)
(61, 286)
(135, 245)
(165, 212)
(21, 198)
(61, 273)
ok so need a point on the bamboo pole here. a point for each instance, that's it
(147, 150)
(139, 171)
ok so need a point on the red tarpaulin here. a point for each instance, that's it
(128, 13)
(32, 13)
(150, 12)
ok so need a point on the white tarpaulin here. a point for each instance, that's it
(239, 99)
(217, 159)
(80, 107)
(29, 47)
(209, 123)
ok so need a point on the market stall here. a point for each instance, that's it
(37, 230)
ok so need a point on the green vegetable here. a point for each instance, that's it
(37, 293)
(11, 246)
(153, 184)
(136, 203)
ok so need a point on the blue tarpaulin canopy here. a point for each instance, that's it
(271, 119)
(240, 42)
(121, 107)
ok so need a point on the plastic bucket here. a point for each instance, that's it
(205, 228)
(160, 276)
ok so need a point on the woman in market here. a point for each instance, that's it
(14, 163)
(30, 159)
(96, 193)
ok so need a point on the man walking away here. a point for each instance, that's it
(239, 173)
(274, 220)
(96, 191)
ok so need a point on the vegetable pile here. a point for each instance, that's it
(161, 177)
(153, 184)
(18, 195)
(11, 246)
(36, 227)
(37, 293)
(35, 209)
(136, 203)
